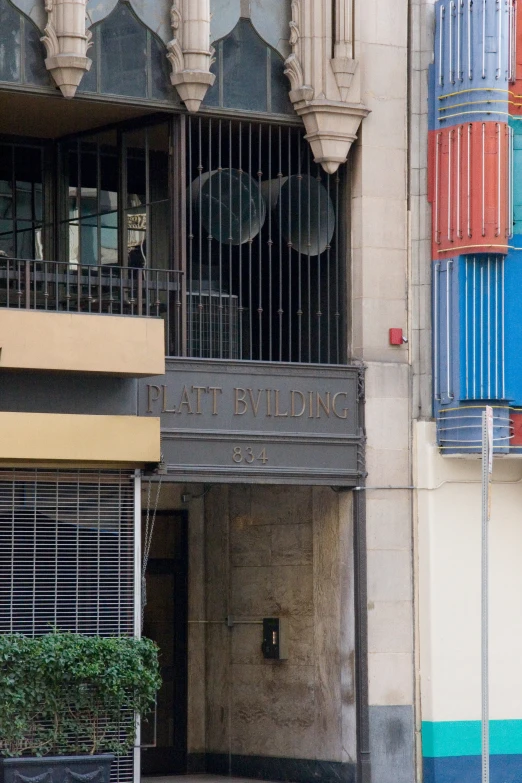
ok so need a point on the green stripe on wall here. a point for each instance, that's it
(463, 738)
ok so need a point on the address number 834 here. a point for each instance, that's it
(247, 455)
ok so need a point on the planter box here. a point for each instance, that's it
(56, 769)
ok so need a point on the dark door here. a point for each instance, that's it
(165, 621)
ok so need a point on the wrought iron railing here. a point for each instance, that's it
(112, 290)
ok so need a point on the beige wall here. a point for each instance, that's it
(75, 342)
(64, 437)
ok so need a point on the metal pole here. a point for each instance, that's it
(487, 467)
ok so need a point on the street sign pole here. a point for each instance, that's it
(487, 469)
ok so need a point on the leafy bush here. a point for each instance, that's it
(66, 694)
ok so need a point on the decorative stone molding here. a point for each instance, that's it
(324, 91)
(189, 52)
(67, 42)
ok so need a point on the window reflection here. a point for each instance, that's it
(118, 203)
(21, 201)
(92, 201)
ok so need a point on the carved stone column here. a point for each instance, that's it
(324, 92)
(190, 52)
(66, 42)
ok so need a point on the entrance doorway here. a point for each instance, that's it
(165, 622)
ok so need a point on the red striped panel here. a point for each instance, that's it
(468, 188)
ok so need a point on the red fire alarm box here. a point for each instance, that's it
(396, 337)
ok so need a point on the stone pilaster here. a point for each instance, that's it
(321, 71)
(66, 41)
(189, 51)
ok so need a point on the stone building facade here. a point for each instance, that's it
(211, 241)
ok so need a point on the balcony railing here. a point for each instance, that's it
(58, 286)
(203, 319)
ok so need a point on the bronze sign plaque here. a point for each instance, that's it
(246, 422)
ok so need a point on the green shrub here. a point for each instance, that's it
(66, 694)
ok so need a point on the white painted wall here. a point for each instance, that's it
(449, 533)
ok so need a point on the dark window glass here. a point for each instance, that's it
(123, 54)
(249, 73)
(160, 80)
(245, 69)
(279, 86)
(34, 60)
(127, 59)
(89, 79)
(9, 43)
(212, 95)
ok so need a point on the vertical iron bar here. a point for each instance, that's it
(250, 241)
(229, 298)
(200, 242)
(300, 236)
(190, 272)
(280, 249)
(260, 249)
(288, 217)
(178, 277)
(319, 311)
(240, 250)
(270, 290)
(339, 326)
(309, 263)
(209, 245)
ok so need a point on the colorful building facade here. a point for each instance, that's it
(474, 132)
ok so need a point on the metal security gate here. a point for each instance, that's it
(68, 557)
(265, 276)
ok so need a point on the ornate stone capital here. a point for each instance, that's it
(324, 91)
(67, 42)
(189, 51)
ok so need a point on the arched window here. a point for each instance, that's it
(22, 54)
(127, 59)
(249, 74)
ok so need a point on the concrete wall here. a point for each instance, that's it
(380, 285)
